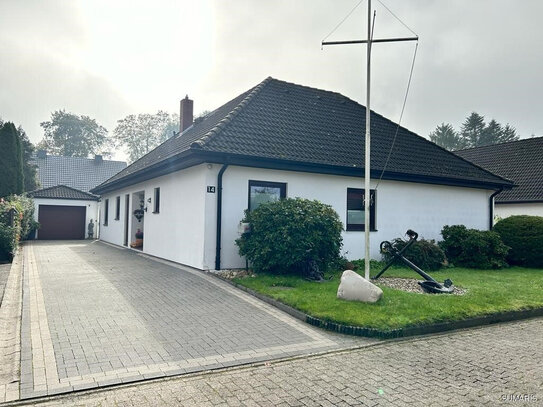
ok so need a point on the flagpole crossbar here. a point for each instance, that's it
(372, 41)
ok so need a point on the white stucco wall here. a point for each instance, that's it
(91, 212)
(177, 232)
(506, 210)
(185, 229)
(400, 206)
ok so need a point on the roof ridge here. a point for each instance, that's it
(35, 156)
(59, 186)
(231, 115)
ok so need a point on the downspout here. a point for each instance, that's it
(491, 208)
(219, 218)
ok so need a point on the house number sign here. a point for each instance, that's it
(211, 189)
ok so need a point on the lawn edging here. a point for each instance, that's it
(393, 333)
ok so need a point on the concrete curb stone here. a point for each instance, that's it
(10, 332)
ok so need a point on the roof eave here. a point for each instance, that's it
(177, 162)
(197, 156)
(68, 199)
(526, 201)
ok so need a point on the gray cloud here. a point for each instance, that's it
(38, 41)
(473, 56)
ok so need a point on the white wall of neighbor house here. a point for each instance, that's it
(505, 210)
(424, 208)
(91, 212)
(175, 233)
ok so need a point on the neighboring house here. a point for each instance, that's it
(284, 140)
(64, 206)
(520, 161)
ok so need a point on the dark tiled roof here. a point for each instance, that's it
(76, 172)
(520, 161)
(287, 122)
(62, 192)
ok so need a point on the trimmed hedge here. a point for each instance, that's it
(524, 234)
(473, 248)
(424, 253)
(288, 235)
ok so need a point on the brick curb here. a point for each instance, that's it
(10, 331)
(394, 333)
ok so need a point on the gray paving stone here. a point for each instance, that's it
(109, 310)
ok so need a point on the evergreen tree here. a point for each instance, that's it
(29, 169)
(508, 134)
(474, 132)
(11, 161)
(445, 136)
(491, 134)
(472, 129)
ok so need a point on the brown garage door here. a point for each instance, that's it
(61, 222)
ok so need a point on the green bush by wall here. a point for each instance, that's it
(424, 253)
(288, 234)
(524, 234)
(473, 248)
(16, 223)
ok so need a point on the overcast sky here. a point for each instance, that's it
(108, 58)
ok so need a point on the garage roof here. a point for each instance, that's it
(62, 192)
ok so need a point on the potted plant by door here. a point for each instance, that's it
(139, 240)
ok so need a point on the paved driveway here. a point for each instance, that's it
(95, 315)
(497, 365)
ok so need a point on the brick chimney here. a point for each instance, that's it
(98, 159)
(185, 114)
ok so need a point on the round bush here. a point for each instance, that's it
(288, 235)
(524, 234)
(424, 253)
(481, 249)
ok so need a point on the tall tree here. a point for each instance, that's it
(171, 128)
(472, 129)
(71, 135)
(29, 168)
(11, 161)
(141, 133)
(490, 134)
(445, 136)
(508, 134)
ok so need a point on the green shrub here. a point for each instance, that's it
(8, 242)
(360, 265)
(424, 253)
(473, 248)
(16, 223)
(289, 234)
(524, 234)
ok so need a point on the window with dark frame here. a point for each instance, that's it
(117, 208)
(263, 191)
(106, 211)
(157, 201)
(356, 210)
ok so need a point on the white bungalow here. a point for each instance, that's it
(284, 140)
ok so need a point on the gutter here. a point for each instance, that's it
(491, 208)
(219, 218)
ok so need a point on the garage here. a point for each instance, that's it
(61, 222)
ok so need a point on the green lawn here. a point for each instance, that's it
(489, 292)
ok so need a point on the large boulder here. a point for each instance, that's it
(354, 287)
